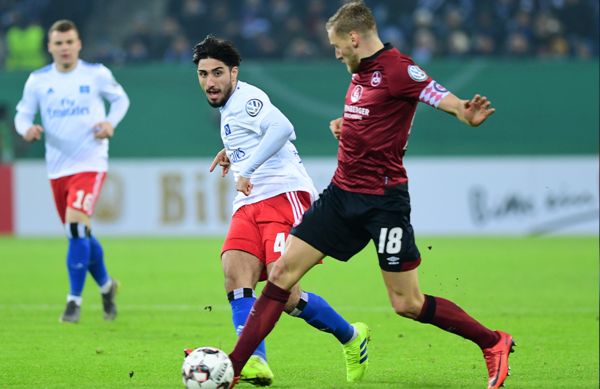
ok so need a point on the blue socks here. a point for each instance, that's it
(241, 301)
(319, 314)
(97, 268)
(85, 253)
(78, 256)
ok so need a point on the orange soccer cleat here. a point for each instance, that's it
(496, 359)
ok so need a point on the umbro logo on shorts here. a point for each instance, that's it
(394, 260)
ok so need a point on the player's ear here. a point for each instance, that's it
(234, 73)
(354, 38)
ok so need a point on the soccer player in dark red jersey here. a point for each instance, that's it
(368, 198)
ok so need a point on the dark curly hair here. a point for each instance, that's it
(219, 49)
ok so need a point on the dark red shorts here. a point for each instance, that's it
(262, 228)
(79, 191)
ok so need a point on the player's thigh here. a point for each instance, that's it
(243, 256)
(393, 235)
(404, 292)
(82, 193)
(331, 227)
(297, 259)
(74, 216)
(241, 269)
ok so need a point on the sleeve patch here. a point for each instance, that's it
(433, 94)
(253, 107)
(416, 73)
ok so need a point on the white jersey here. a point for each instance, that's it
(241, 133)
(70, 105)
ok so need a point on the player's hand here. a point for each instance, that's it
(243, 185)
(477, 110)
(103, 130)
(222, 160)
(33, 133)
(336, 127)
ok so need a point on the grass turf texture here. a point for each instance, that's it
(543, 291)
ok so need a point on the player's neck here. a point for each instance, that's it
(66, 68)
(370, 46)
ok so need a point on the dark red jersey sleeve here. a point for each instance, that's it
(405, 79)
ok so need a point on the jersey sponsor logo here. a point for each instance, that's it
(68, 108)
(236, 155)
(376, 78)
(358, 110)
(227, 130)
(416, 73)
(356, 93)
(253, 107)
(84, 89)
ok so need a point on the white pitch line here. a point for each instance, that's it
(48, 307)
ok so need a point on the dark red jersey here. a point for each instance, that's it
(380, 107)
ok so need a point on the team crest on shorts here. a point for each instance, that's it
(253, 107)
(416, 73)
(356, 93)
(376, 78)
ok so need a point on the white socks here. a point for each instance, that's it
(77, 299)
(106, 287)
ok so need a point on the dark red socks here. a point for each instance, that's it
(450, 317)
(262, 319)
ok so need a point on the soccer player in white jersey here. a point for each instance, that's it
(275, 190)
(69, 94)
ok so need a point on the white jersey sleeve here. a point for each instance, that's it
(257, 136)
(27, 107)
(112, 91)
(277, 130)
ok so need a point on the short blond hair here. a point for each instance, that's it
(355, 16)
(63, 25)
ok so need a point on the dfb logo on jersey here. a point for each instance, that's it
(253, 107)
(356, 93)
(416, 73)
(376, 78)
(227, 130)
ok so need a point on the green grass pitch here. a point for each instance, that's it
(543, 291)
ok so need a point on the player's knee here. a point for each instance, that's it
(407, 307)
(277, 272)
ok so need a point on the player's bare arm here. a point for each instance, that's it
(222, 160)
(336, 127)
(33, 133)
(472, 112)
(103, 130)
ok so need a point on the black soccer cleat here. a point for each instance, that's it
(71, 313)
(108, 301)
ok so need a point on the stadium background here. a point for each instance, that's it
(537, 61)
(532, 169)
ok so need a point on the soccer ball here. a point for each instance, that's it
(207, 368)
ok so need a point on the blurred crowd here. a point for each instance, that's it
(294, 29)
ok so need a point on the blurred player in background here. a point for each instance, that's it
(368, 197)
(275, 191)
(69, 94)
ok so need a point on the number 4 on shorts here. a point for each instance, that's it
(279, 243)
(393, 239)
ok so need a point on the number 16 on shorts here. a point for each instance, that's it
(390, 240)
